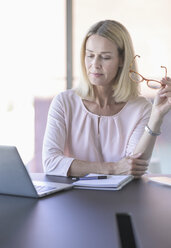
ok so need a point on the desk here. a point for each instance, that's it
(86, 218)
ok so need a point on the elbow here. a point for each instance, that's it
(48, 166)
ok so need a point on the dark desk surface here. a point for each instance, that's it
(86, 218)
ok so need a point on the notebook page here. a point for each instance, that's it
(112, 181)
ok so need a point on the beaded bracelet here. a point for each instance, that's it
(148, 130)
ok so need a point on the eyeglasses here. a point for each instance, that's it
(138, 78)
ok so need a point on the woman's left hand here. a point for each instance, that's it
(162, 102)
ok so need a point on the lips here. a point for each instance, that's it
(95, 74)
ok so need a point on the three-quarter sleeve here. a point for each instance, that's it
(54, 160)
(137, 132)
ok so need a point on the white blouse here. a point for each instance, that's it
(72, 132)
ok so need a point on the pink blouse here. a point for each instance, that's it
(72, 132)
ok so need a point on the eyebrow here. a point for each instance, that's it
(93, 51)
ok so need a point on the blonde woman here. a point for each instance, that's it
(104, 126)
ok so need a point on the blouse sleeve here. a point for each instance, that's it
(54, 161)
(138, 129)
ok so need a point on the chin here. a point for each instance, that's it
(99, 83)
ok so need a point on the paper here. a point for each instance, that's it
(162, 180)
(113, 182)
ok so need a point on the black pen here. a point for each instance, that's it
(89, 178)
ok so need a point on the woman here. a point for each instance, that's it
(104, 126)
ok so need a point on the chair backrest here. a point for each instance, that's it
(41, 106)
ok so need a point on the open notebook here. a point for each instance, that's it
(112, 182)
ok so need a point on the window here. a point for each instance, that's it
(32, 64)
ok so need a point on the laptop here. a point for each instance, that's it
(15, 179)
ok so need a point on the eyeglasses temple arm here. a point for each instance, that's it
(133, 61)
(165, 70)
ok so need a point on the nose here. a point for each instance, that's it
(96, 63)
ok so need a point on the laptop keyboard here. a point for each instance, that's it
(43, 188)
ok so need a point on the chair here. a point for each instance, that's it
(41, 106)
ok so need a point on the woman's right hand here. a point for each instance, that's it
(131, 165)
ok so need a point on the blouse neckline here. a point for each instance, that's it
(104, 116)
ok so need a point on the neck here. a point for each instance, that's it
(103, 96)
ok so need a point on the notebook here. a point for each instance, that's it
(15, 179)
(112, 182)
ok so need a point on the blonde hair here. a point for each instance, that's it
(125, 88)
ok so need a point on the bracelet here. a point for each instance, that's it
(148, 130)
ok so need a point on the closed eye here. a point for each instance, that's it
(101, 57)
(89, 55)
(106, 58)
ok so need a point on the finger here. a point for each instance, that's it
(167, 78)
(136, 155)
(166, 88)
(138, 177)
(140, 168)
(166, 94)
(166, 100)
(166, 81)
(138, 173)
(135, 161)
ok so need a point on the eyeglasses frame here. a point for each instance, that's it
(143, 78)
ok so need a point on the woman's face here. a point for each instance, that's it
(101, 60)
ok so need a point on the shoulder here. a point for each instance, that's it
(65, 100)
(140, 102)
(66, 97)
(138, 107)
(67, 94)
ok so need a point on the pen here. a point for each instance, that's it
(89, 178)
